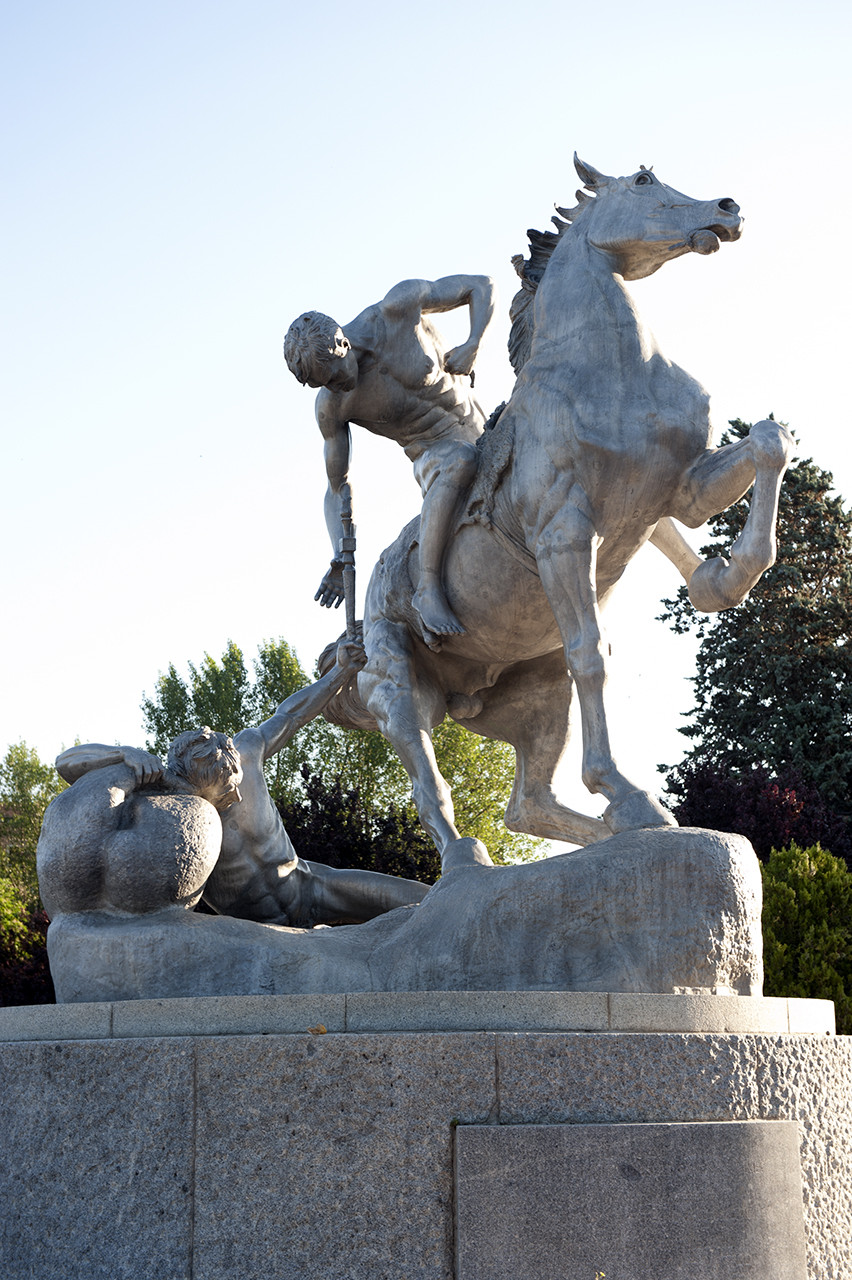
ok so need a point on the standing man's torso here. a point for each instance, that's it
(403, 391)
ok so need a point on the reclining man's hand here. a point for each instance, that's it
(147, 767)
(351, 656)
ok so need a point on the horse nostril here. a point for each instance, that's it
(728, 205)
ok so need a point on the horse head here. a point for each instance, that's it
(641, 223)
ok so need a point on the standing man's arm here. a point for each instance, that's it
(307, 703)
(474, 292)
(338, 451)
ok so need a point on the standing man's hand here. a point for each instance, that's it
(331, 592)
(461, 359)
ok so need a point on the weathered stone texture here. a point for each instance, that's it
(603, 1079)
(667, 910)
(332, 1155)
(96, 1176)
(635, 1201)
(298, 1155)
(809, 1079)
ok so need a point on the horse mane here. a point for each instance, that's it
(531, 270)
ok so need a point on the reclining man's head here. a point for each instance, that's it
(209, 763)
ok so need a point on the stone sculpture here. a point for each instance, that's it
(602, 445)
(132, 836)
(670, 910)
(388, 371)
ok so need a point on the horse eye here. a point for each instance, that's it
(643, 180)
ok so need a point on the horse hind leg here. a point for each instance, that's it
(529, 707)
(407, 706)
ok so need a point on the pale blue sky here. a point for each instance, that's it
(181, 179)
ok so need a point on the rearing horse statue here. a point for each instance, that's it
(603, 444)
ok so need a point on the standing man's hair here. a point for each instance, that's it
(313, 340)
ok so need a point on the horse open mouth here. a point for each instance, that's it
(706, 239)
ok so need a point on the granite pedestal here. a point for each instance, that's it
(210, 1138)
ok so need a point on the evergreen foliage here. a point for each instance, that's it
(770, 812)
(27, 785)
(773, 686)
(24, 970)
(807, 928)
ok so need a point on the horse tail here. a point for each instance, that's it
(345, 708)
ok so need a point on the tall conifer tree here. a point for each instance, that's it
(773, 686)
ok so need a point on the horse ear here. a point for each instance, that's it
(589, 176)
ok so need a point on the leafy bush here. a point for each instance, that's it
(24, 973)
(330, 825)
(807, 928)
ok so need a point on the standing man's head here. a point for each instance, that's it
(209, 763)
(319, 354)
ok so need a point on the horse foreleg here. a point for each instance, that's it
(567, 556)
(716, 481)
(406, 707)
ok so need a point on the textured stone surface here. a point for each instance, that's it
(96, 1175)
(809, 1079)
(227, 1015)
(477, 1010)
(329, 1155)
(413, 1011)
(600, 1079)
(648, 911)
(636, 1201)
(339, 1149)
(56, 1022)
(688, 1012)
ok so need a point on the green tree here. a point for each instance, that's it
(27, 786)
(773, 684)
(220, 693)
(480, 773)
(329, 824)
(24, 972)
(807, 928)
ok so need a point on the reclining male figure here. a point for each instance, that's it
(258, 875)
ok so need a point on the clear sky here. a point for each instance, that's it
(181, 179)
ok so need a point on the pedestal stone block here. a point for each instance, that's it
(634, 1201)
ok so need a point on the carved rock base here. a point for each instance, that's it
(665, 910)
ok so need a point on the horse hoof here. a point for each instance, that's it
(465, 852)
(635, 811)
(772, 444)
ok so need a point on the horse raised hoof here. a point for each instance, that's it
(772, 445)
(465, 852)
(636, 811)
